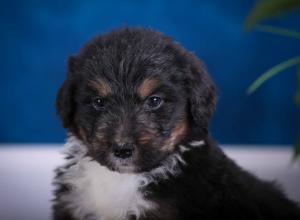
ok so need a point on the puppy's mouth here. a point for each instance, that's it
(125, 165)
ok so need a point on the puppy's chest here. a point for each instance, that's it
(102, 194)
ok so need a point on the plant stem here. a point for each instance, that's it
(273, 71)
(278, 31)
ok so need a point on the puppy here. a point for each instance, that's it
(136, 106)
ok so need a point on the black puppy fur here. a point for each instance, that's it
(139, 88)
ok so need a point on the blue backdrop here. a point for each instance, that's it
(38, 36)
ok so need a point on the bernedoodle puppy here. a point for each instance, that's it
(136, 106)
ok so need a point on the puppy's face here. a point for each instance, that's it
(132, 96)
(131, 126)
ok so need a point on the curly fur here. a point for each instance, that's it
(175, 170)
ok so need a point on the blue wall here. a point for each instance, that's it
(38, 36)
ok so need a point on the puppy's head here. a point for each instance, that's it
(132, 96)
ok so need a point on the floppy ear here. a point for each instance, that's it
(65, 104)
(202, 93)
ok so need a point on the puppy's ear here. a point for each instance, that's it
(65, 104)
(202, 93)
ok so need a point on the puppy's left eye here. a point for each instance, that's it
(98, 103)
(154, 102)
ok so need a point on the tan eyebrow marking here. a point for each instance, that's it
(147, 86)
(101, 86)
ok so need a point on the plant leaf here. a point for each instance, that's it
(297, 101)
(297, 149)
(297, 95)
(265, 9)
(278, 31)
(272, 72)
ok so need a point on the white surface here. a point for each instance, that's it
(26, 173)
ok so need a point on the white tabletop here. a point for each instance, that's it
(26, 172)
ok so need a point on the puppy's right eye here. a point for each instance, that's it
(154, 102)
(98, 103)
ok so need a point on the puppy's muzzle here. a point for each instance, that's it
(123, 151)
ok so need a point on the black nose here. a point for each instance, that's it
(123, 151)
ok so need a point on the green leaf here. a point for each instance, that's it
(297, 95)
(265, 9)
(278, 31)
(297, 149)
(297, 100)
(272, 72)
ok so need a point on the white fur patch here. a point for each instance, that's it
(197, 143)
(103, 193)
(183, 148)
(194, 144)
(106, 194)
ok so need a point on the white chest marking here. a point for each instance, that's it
(106, 194)
(109, 195)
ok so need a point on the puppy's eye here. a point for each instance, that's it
(98, 103)
(154, 102)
